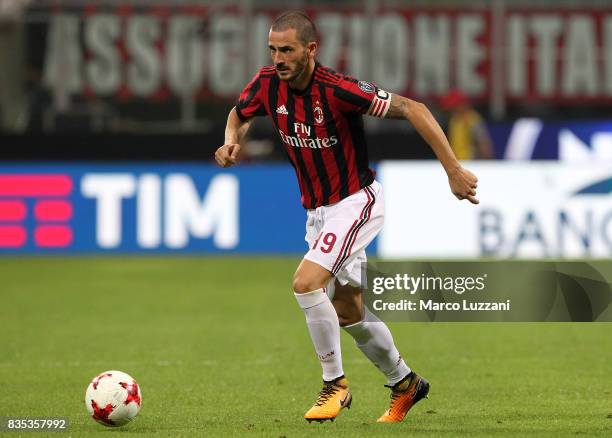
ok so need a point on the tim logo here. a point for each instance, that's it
(40, 200)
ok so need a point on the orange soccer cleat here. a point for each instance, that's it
(334, 396)
(404, 395)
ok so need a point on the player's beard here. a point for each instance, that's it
(299, 69)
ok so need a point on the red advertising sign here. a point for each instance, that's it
(164, 53)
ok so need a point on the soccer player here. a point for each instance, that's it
(318, 115)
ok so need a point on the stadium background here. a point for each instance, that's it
(110, 114)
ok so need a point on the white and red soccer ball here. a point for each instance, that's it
(113, 398)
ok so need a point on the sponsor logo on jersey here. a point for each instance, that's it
(312, 143)
(282, 110)
(366, 87)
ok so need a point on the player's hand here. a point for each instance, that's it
(227, 155)
(463, 184)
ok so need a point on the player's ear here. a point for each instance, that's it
(312, 48)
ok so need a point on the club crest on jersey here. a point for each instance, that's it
(366, 87)
(318, 114)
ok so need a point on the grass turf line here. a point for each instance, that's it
(220, 348)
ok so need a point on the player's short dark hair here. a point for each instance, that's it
(305, 29)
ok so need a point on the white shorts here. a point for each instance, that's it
(338, 234)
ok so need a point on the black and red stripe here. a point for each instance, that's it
(323, 158)
(340, 181)
(281, 123)
(351, 235)
(326, 175)
(306, 169)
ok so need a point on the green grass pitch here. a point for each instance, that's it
(220, 348)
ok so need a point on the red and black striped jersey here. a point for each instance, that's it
(321, 128)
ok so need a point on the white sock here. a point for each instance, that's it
(374, 339)
(324, 330)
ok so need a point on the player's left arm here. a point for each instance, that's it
(463, 183)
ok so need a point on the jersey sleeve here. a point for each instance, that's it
(362, 97)
(250, 103)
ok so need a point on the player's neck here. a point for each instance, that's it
(302, 81)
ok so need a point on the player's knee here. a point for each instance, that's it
(302, 284)
(348, 319)
(347, 314)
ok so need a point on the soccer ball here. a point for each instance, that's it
(113, 398)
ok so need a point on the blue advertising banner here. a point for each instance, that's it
(133, 208)
(568, 141)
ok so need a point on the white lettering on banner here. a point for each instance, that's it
(607, 54)
(584, 50)
(109, 190)
(64, 57)
(227, 72)
(527, 210)
(471, 54)
(546, 53)
(145, 71)
(330, 26)
(216, 215)
(523, 138)
(358, 50)
(546, 30)
(259, 52)
(389, 53)
(185, 55)
(102, 70)
(185, 213)
(573, 149)
(432, 47)
(148, 208)
(579, 58)
(602, 146)
(516, 70)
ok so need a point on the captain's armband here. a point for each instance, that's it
(380, 104)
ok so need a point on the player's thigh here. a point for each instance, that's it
(364, 220)
(337, 235)
(343, 233)
(348, 302)
(310, 276)
(324, 251)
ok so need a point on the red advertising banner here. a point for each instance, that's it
(162, 53)
(558, 54)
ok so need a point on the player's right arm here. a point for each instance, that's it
(249, 105)
(463, 183)
(363, 97)
(235, 130)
